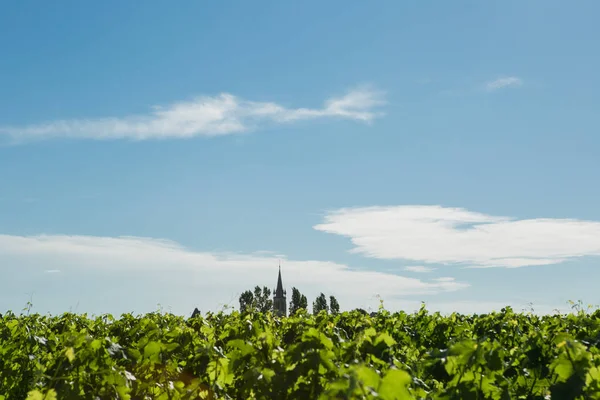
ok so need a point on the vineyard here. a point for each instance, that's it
(503, 355)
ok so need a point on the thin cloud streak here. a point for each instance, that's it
(419, 269)
(207, 116)
(454, 236)
(505, 82)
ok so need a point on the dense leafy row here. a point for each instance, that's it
(503, 355)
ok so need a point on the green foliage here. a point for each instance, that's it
(246, 301)
(259, 300)
(299, 301)
(334, 306)
(262, 299)
(320, 304)
(256, 355)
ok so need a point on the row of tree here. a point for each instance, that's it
(321, 304)
(260, 300)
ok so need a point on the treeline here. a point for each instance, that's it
(260, 300)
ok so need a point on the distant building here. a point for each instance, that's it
(279, 298)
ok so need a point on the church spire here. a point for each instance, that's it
(279, 298)
(279, 290)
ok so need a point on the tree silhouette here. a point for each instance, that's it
(334, 306)
(246, 301)
(303, 303)
(196, 313)
(259, 300)
(320, 304)
(262, 299)
(298, 302)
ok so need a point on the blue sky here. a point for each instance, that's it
(172, 155)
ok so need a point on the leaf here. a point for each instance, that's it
(70, 353)
(134, 353)
(367, 376)
(50, 395)
(386, 338)
(35, 395)
(240, 345)
(123, 392)
(152, 351)
(592, 375)
(369, 332)
(268, 373)
(171, 346)
(96, 344)
(325, 341)
(563, 369)
(394, 385)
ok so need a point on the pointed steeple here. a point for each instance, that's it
(279, 290)
(279, 298)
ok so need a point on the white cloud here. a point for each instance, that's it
(215, 278)
(435, 234)
(510, 81)
(224, 114)
(419, 269)
(445, 279)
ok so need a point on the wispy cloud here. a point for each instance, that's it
(214, 277)
(504, 82)
(435, 234)
(419, 269)
(445, 279)
(224, 114)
